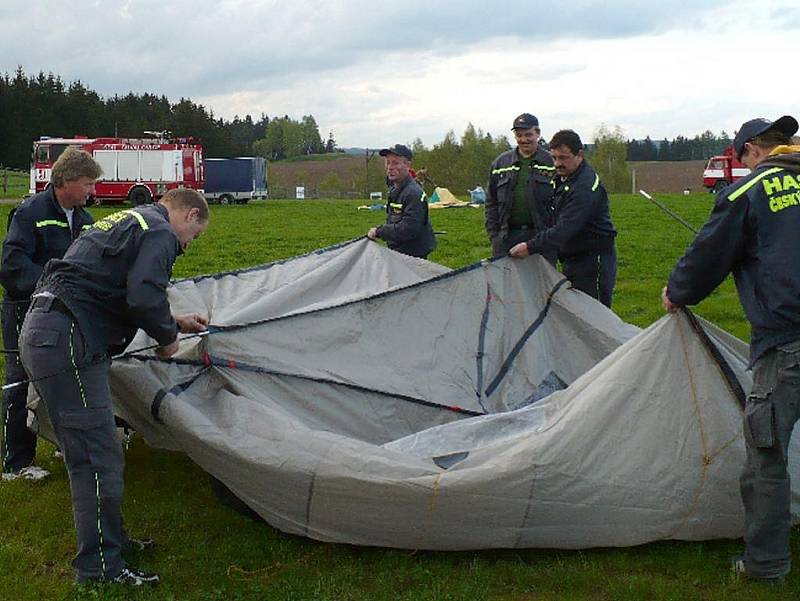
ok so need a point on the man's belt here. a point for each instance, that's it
(50, 303)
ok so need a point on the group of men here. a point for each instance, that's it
(550, 203)
(77, 291)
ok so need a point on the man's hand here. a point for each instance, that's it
(372, 234)
(519, 251)
(669, 306)
(191, 323)
(165, 352)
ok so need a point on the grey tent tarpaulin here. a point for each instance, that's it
(362, 396)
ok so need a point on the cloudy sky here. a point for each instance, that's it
(378, 72)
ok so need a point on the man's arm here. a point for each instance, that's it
(410, 226)
(711, 256)
(576, 210)
(19, 273)
(148, 278)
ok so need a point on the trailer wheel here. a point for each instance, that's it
(139, 195)
(226, 199)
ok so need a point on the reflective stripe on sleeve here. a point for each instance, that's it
(47, 222)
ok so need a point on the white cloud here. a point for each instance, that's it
(375, 73)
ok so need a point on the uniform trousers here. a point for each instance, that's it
(771, 412)
(595, 274)
(19, 443)
(74, 386)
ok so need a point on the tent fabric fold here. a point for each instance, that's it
(358, 395)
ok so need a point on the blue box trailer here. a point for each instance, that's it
(236, 180)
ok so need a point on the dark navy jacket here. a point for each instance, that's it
(114, 279)
(37, 232)
(582, 220)
(408, 228)
(754, 232)
(500, 191)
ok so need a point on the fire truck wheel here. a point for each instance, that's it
(719, 186)
(139, 196)
(226, 199)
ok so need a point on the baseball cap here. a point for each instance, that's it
(755, 127)
(398, 149)
(525, 121)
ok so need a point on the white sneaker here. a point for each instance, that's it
(32, 472)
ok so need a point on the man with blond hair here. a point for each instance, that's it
(40, 229)
(86, 308)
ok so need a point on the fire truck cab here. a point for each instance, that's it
(723, 170)
(136, 170)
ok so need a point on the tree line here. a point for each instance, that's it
(43, 105)
(702, 146)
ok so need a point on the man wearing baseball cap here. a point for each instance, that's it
(408, 228)
(753, 233)
(519, 193)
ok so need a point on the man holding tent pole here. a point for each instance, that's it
(519, 194)
(753, 233)
(86, 308)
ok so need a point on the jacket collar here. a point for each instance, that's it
(396, 188)
(51, 192)
(574, 175)
(518, 158)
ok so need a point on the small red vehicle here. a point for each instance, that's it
(723, 170)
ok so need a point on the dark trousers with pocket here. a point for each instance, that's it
(595, 274)
(19, 443)
(74, 387)
(771, 411)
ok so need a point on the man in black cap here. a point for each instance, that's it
(520, 192)
(408, 228)
(753, 232)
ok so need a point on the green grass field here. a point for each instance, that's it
(208, 552)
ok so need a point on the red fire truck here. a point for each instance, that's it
(138, 170)
(723, 170)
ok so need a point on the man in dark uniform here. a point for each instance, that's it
(40, 229)
(583, 233)
(408, 227)
(519, 193)
(753, 232)
(86, 308)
